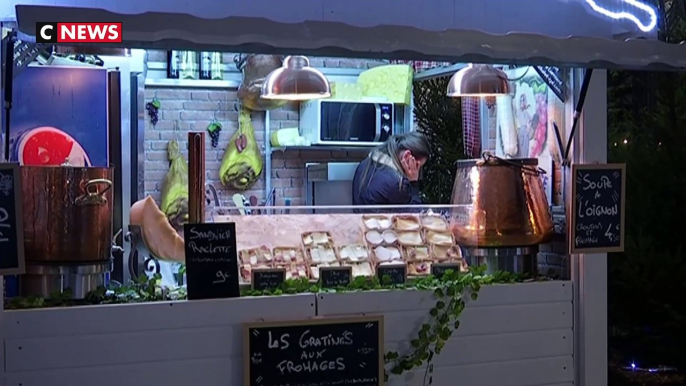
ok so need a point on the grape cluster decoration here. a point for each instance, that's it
(153, 109)
(214, 129)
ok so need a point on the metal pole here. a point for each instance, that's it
(8, 58)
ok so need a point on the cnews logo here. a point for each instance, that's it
(78, 32)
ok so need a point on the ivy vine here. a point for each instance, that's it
(451, 292)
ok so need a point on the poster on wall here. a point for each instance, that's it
(59, 115)
(525, 122)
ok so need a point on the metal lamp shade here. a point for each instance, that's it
(295, 80)
(478, 80)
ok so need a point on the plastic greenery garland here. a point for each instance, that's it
(451, 293)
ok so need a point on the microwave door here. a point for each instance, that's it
(362, 124)
(336, 121)
(349, 123)
(346, 121)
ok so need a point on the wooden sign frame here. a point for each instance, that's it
(20, 269)
(344, 268)
(622, 213)
(260, 270)
(315, 321)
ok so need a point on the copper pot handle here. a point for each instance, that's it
(93, 195)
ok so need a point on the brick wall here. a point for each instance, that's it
(194, 109)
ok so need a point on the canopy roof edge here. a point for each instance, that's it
(245, 34)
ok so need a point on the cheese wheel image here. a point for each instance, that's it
(50, 146)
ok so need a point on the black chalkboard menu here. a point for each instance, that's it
(267, 278)
(315, 352)
(598, 208)
(11, 225)
(397, 273)
(552, 76)
(332, 277)
(211, 260)
(440, 269)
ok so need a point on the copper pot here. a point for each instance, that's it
(500, 203)
(255, 69)
(67, 213)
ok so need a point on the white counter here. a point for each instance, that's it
(513, 335)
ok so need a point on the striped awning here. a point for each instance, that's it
(245, 34)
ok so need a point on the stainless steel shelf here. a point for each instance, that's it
(361, 149)
(192, 83)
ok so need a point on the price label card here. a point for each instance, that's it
(11, 225)
(397, 273)
(440, 269)
(319, 352)
(332, 277)
(598, 194)
(267, 278)
(211, 260)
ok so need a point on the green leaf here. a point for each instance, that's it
(385, 376)
(445, 334)
(440, 305)
(452, 291)
(433, 312)
(397, 370)
(391, 355)
(444, 319)
(438, 293)
(433, 338)
(474, 295)
(408, 365)
(415, 343)
(457, 324)
(425, 355)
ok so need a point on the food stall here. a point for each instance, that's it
(549, 332)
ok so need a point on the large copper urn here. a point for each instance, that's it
(500, 203)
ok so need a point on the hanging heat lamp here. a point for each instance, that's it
(478, 80)
(296, 81)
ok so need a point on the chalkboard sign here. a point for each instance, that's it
(396, 272)
(332, 277)
(439, 269)
(267, 278)
(211, 260)
(552, 76)
(598, 208)
(317, 352)
(11, 225)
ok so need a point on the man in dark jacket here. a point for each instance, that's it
(388, 176)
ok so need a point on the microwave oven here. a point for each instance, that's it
(346, 123)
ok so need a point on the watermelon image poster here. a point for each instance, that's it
(59, 115)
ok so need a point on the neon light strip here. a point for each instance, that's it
(629, 16)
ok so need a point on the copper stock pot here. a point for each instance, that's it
(500, 203)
